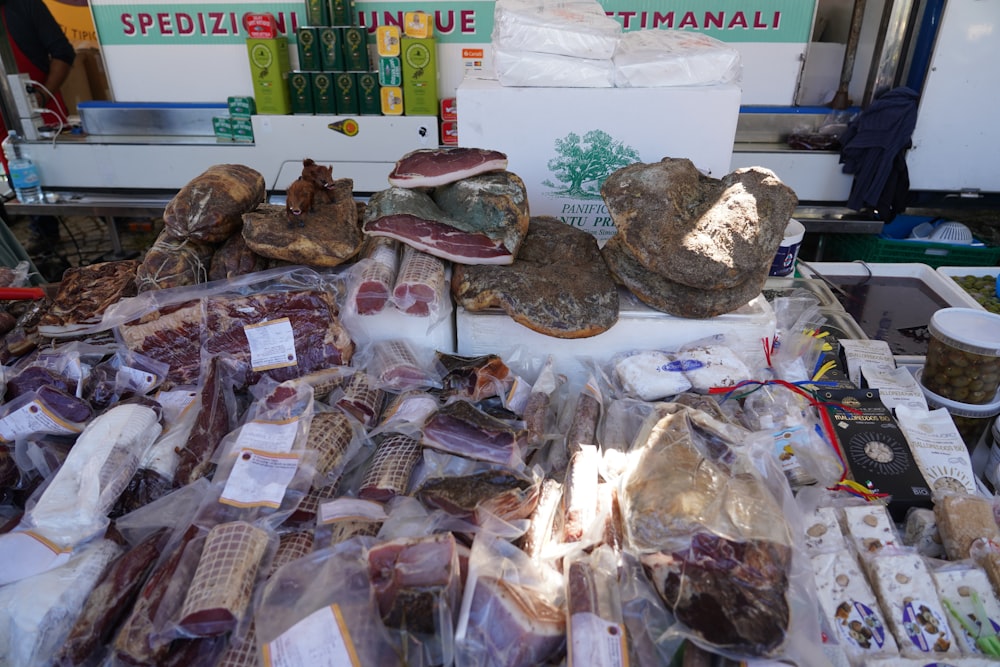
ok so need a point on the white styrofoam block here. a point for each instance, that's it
(638, 327)
(544, 130)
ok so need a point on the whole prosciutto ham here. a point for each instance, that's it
(430, 167)
(477, 220)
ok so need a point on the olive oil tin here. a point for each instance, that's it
(269, 68)
(308, 47)
(369, 100)
(341, 12)
(419, 61)
(345, 88)
(324, 92)
(300, 89)
(355, 41)
(331, 52)
(317, 12)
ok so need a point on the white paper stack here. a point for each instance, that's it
(650, 58)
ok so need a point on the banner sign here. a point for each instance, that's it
(220, 22)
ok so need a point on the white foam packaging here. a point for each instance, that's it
(548, 70)
(577, 28)
(649, 58)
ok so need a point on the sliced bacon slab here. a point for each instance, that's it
(478, 220)
(430, 167)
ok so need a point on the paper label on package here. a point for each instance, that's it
(517, 397)
(860, 626)
(925, 627)
(320, 639)
(597, 642)
(259, 479)
(351, 509)
(175, 403)
(272, 344)
(34, 417)
(142, 381)
(265, 436)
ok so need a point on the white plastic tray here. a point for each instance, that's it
(946, 289)
(952, 272)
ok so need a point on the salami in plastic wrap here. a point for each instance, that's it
(388, 473)
(376, 274)
(220, 591)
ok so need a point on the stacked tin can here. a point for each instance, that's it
(335, 74)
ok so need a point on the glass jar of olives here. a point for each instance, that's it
(963, 355)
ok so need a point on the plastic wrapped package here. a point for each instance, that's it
(973, 610)
(577, 28)
(38, 612)
(548, 70)
(649, 374)
(651, 58)
(74, 506)
(595, 623)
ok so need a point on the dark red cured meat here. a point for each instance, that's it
(177, 336)
(110, 600)
(440, 240)
(460, 428)
(378, 274)
(430, 167)
(388, 473)
(409, 574)
(420, 283)
(211, 425)
(132, 645)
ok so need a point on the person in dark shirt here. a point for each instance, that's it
(42, 51)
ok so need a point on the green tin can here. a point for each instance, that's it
(324, 93)
(331, 53)
(390, 71)
(369, 94)
(300, 89)
(345, 86)
(317, 12)
(309, 47)
(355, 42)
(341, 12)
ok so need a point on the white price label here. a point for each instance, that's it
(596, 642)
(272, 344)
(320, 639)
(34, 417)
(277, 437)
(259, 479)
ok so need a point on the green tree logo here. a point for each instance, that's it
(582, 164)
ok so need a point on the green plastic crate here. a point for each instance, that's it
(874, 248)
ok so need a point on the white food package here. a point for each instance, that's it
(851, 608)
(650, 375)
(956, 586)
(37, 613)
(651, 58)
(577, 28)
(822, 531)
(546, 70)
(712, 365)
(909, 599)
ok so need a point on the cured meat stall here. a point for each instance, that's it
(238, 471)
(436, 424)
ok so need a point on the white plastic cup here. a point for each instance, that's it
(788, 251)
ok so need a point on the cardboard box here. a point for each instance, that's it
(223, 127)
(242, 129)
(300, 89)
(449, 133)
(624, 125)
(390, 71)
(241, 105)
(449, 109)
(269, 63)
(387, 40)
(418, 57)
(418, 24)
